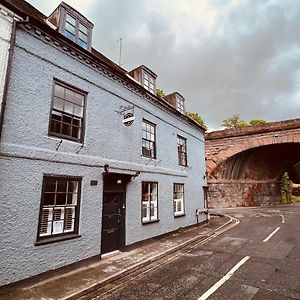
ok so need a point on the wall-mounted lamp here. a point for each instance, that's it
(106, 169)
(137, 173)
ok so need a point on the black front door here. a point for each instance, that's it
(113, 212)
(111, 221)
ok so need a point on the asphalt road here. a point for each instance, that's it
(257, 259)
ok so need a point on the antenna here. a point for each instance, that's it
(120, 54)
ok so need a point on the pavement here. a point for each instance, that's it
(92, 276)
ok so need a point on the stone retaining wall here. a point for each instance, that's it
(243, 193)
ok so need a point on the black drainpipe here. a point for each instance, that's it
(8, 70)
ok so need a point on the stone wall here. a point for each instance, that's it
(243, 193)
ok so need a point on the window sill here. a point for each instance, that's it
(56, 239)
(65, 138)
(185, 166)
(180, 215)
(149, 222)
(149, 157)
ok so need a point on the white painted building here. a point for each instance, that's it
(75, 181)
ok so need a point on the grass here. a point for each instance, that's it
(295, 199)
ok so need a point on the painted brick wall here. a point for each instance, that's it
(107, 141)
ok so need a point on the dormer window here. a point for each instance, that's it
(145, 77)
(73, 25)
(180, 104)
(76, 32)
(177, 101)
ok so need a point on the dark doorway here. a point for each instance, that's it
(113, 212)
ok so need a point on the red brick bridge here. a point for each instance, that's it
(245, 165)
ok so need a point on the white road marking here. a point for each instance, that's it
(270, 235)
(283, 220)
(209, 292)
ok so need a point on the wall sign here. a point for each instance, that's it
(128, 119)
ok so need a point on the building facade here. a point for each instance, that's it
(91, 159)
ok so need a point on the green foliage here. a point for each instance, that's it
(284, 184)
(257, 122)
(196, 117)
(160, 93)
(286, 188)
(234, 122)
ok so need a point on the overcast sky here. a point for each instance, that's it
(224, 56)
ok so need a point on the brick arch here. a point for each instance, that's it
(223, 144)
(244, 165)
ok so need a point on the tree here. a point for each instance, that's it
(257, 122)
(197, 118)
(234, 122)
(160, 93)
(286, 187)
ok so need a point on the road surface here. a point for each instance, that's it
(257, 259)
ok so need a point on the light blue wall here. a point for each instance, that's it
(29, 153)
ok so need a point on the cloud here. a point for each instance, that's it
(225, 57)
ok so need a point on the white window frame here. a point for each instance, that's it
(178, 199)
(150, 202)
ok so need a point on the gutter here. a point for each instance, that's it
(8, 70)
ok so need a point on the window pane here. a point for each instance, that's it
(58, 103)
(70, 28)
(76, 122)
(61, 186)
(76, 131)
(73, 187)
(69, 107)
(78, 99)
(67, 119)
(70, 95)
(61, 198)
(50, 185)
(49, 199)
(83, 29)
(78, 110)
(82, 44)
(66, 129)
(70, 36)
(70, 19)
(55, 126)
(59, 91)
(72, 199)
(82, 36)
